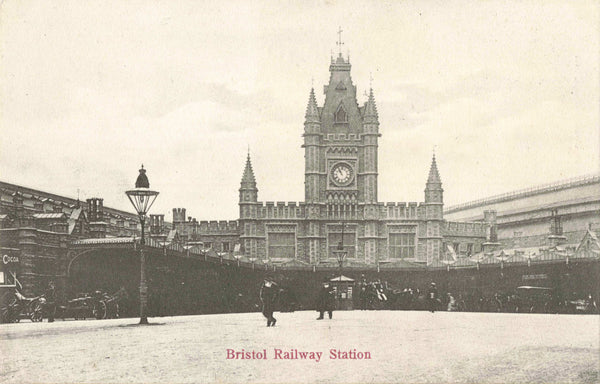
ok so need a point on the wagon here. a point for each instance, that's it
(22, 307)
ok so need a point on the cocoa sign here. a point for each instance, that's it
(9, 260)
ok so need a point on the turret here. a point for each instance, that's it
(248, 192)
(371, 115)
(369, 149)
(556, 231)
(433, 205)
(312, 140)
(95, 213)
(433, 188)
(312, 118)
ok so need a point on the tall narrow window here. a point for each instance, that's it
(401, 245)
(335, 238)
(282, 245)
(340, 115)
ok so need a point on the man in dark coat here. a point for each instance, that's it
(268, 295)
(432, 297)
(326, 300)
(50, 296)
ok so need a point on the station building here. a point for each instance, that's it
(341, 206)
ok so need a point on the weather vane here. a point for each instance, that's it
(339, 42)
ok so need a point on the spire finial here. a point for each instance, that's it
(371, 80)
(312, 82)
(339, 43)
(434, 175)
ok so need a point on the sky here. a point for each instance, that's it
(507, 93)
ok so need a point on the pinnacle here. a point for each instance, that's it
(248, 177)
(434, 175)
(312, 109)
(371, 106)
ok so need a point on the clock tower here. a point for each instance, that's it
(340, 144)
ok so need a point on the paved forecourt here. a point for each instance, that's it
(356, 346)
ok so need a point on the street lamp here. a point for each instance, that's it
(340, 254)
(142, 198)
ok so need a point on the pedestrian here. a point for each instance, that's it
(268, 295)
(325, 300)
(432, 297)
(362, 292)
(451, 302)
(50, 296)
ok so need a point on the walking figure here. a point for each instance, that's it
(268, 295)
(326, 300)
(432, 297)
(50, 295)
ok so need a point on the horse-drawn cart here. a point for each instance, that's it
(21, 307)
(98, 305)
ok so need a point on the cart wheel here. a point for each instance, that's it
(37, 313)
(7, 315)
(100, 310)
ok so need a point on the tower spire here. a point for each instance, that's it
(248, 180)
(312, 111)
(434, 175)
(371, 106)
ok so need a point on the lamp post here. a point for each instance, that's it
(142, 198)
(340, 254)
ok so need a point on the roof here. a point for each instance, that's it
(107, 240)
(342, 278)
(75, 215)
(54, 215)
(172, 235)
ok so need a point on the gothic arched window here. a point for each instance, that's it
(340, 115)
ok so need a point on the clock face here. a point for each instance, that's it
(342, 174)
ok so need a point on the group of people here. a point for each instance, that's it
(371, 295)
(270, 291)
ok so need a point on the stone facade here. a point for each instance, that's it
(37, 228)
(341, 210)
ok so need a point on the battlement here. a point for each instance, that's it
(281, 210)
(178, 215)
(217, 226)
(459, 228)
(401, 210)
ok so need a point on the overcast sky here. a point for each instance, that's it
(506, 92)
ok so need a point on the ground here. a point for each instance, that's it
(404, 347)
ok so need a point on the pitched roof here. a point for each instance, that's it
(75, 215)
(342, 278)
(54, 215)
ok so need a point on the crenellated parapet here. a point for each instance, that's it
(281, 210)
(401, 210)
(212, 227)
